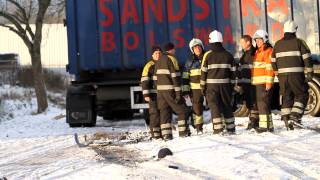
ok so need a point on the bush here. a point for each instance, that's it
(55, 82)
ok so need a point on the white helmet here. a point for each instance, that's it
(195, 42)
(215, 36)
(261, 34)
(290, 27)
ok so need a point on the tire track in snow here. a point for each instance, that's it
(268, 154)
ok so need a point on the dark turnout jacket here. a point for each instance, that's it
(148, 79)
(291, 55)
(168, 74)
(218, 67)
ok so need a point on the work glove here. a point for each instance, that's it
(238, 89)
(309, 76)
(178, 99)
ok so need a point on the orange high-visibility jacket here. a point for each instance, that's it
(262, 72)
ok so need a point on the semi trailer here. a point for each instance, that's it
(109, 41)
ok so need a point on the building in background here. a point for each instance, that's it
(54, 50)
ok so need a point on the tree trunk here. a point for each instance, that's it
(39, 84)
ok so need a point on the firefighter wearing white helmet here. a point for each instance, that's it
(191, 82)
(217, 80)
(290, 58)
(262, 34)
(262, 77)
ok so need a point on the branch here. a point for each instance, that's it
(22, 36)
(43, 6)
(22, 10)
(23, 18)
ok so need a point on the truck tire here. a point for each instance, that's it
(146, 116)
(80, 106)
(313, 105)
(73, 125)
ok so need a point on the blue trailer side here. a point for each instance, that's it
(109, 41)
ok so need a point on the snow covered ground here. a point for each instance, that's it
(43, 147)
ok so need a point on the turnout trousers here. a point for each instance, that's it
(294, 96)
(197, 107)
(249, 94)
(154, 116)
(219, 100)
(167, 104)
(263, 99)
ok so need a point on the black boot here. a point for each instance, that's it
(217, 131)
(253, 124)
(261, 130)
(295, 122)
(199, 128)
(231, 131)
(167, 137)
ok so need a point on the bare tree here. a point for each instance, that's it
(21, 14)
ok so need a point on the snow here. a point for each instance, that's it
(42, 147)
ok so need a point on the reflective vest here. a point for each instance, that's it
(191, 74)
(262, 72)
(148, 79)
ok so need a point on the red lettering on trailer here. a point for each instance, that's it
(135, 39)
(107, 12)
(277, 31)
(205, 9)
(180, 42)
(203, 34)
(176, 16)
(129, 11)
(156, 9)
(107, 41)
(226, 7)
(227, 35)
(151, 38)
(282, 4)
(252, 5)
(251, 29)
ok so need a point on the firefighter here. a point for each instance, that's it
(191, 82)
(262, 79)
(217, 81)
(150, 94)
(291, 56)
(169, 93)
(247, 89)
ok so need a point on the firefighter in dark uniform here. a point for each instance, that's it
(169, 95)
(262, 79)
(191, 82)
(290, 58)
(247, 89)
(217, 82)
(149, 92)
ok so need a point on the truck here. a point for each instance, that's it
(109, 41)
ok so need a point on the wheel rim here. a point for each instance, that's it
(312, 101)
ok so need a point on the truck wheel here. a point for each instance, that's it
(72, 125)
(146, 116)
(80, 106)
(313, 105)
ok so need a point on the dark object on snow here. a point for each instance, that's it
(3, 178)
(164, 152)
(173, 167)
(76, 138)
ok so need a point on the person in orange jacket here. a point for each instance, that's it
(262, 79)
